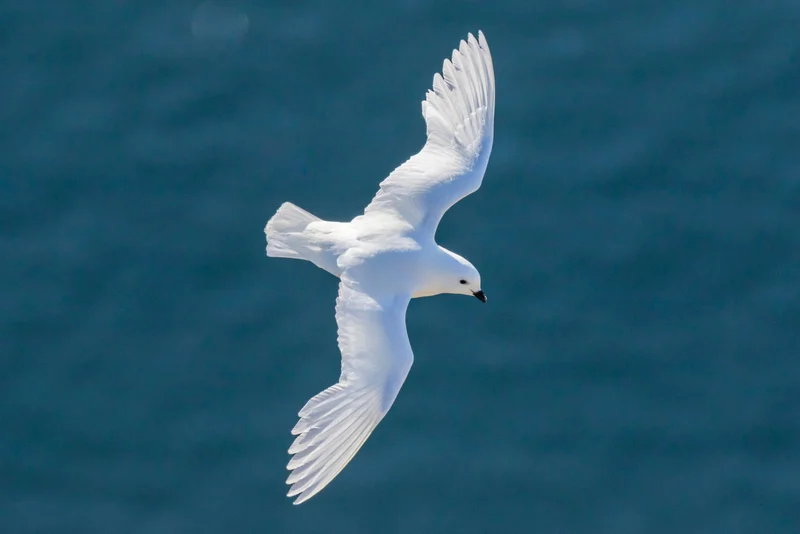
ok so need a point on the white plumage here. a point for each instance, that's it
(459, 115)
(384, 258)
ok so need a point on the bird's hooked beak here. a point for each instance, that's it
(480, 295)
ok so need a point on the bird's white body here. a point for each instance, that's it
(384, 258)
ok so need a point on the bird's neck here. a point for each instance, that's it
(436, 273)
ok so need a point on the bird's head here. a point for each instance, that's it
(466, 280)
(452, 274)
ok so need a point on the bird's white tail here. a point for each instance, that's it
(284, 231)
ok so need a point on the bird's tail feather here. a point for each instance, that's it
(283, 230)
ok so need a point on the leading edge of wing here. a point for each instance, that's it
(459, 117)
(376, 358)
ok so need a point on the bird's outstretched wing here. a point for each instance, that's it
(459, 114)
(376, 357)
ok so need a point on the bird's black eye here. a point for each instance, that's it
(463, 281)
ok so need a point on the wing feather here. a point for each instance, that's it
(459, 117)
(376, 357)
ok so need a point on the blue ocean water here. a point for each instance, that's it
(635, 369)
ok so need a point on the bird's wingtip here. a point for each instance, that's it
(482, 39)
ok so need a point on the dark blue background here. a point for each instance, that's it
(636, 366)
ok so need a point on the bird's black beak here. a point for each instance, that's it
(480, 296)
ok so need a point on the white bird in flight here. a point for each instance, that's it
(384, 258)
